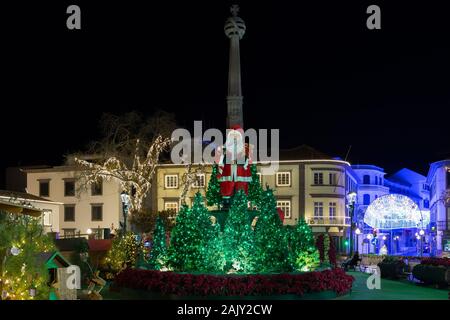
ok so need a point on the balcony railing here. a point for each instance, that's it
(329, 221)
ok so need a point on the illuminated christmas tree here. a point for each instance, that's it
(158, 252)
(215, 256)
(254, 189)
(238, 236)
(190, 236)
(302, 238)
(213, 196)
(271, 250)
(303, 254)
(23, 274)
(124, 253)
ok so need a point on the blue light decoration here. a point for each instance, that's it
(395, 211)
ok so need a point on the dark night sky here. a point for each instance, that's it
(312, 70)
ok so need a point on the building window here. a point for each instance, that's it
(332, 210)
(285, 206)
(200, 181)
(96, 212)
(426, 203)
(69, 188)
(47, 218)
(283, 179)
(381, 181)
(69, 233)
(44, 188)
(318, 210)
(69, 213)
(366, 199)
(332, 178)
(171, 181)
(366, 179)
(318, 178)
(97, 188)
(171, 206)
(376, 180)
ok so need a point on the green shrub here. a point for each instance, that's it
(391, 267)
(435, 275)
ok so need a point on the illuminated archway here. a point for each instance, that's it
(395, 211)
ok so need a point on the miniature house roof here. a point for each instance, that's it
(395, 211)
(53, 260)
(17, 208)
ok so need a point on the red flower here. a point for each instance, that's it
(225, 285)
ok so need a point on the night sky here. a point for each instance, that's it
(312, 70)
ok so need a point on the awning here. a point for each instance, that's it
(16, 208)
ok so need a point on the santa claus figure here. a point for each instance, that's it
(234, 164)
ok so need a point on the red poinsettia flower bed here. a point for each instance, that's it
(235, 285)
(436, 262)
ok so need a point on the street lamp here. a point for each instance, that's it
(421, 238)
(357, 232)
(369, 237)
(351, 199)
(125, 198)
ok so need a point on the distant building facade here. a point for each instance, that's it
(97, 209)
(374, 184)
(308, 185)
(438, 180)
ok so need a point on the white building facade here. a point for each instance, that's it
(97, 209)
(439, 181)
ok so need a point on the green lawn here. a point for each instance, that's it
(392, 290)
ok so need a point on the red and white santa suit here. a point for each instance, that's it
(234, 164)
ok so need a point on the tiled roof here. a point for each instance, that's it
(303, 152)
(21, 195)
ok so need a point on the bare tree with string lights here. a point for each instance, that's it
(129, 152)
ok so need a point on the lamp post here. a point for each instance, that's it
(369, 237)
(421, 234)
(351, 199)
(125, 198)
(357, 232)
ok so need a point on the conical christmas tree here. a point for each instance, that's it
(271, 252)
(303, 254)
(215, 257)
(190, 237)
(213, 196)
(302, 238)
(158, 252)
(254, 189)
(238, 236)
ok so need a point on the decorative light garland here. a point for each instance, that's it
(395, 211)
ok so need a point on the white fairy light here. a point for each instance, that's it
(395, 211)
